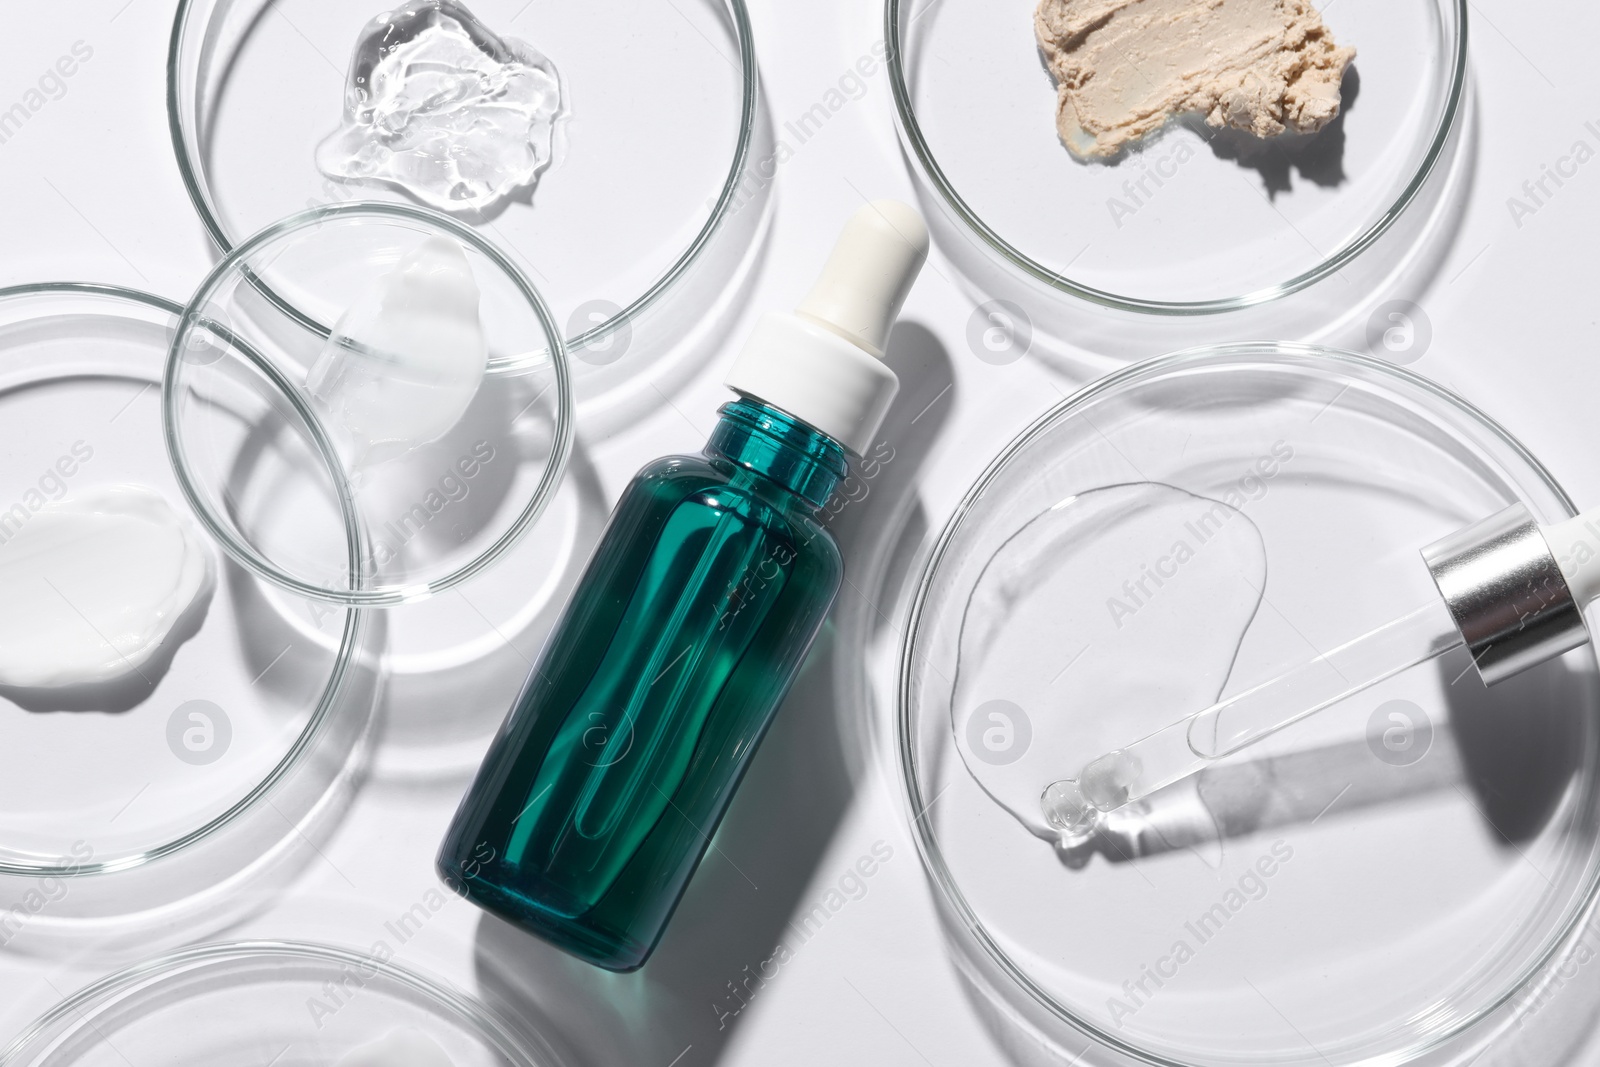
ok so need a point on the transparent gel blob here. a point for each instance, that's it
(439, 106)
(407, 356)
(1116, 612)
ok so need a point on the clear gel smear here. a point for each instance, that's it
(1112, 614)
(442, 108)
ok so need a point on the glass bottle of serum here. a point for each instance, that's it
(600, 793)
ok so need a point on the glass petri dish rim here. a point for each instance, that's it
(77, 1006)
(750, 75)
(356, 596)
(923, 832)
(911, 134)
(355, 625)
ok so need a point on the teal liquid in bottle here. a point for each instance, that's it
(599, 796)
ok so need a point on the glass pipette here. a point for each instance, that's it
(1503, 595)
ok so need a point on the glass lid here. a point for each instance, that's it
(162, 731)
(1194, 218)
(289, 1004)
(1378, 882)
(367, 404)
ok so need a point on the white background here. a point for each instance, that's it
(91, 192)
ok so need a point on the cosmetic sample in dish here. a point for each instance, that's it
(403, 1047)
(1147, 591)
(1512, 591)
(1123, 68)
(441, 107)
(406, 358)
(93, 586)
(601, 792)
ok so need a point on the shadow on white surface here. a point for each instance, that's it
(681, 1007)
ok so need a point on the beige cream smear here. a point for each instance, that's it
(1124, 67)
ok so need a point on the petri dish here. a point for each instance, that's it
(320, 492)
(635, 205)
(1193, 221)
(1385, 882)
(126, 800)
(481, 636)
(287, 1003)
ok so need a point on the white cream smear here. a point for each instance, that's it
(407, 357)
(405, 1047)
(92, 585)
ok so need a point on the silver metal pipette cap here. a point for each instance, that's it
(1506, 592)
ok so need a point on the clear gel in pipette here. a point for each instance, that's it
(1510, 590)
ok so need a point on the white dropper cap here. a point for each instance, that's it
(823, 363)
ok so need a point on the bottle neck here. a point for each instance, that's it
(780, 448)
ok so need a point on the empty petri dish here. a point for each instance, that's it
(1193, 220)
(210, 762)
(350, 453)
(288, 1003)
(1385, 882)
(634, 204)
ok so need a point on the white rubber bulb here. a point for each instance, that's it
(823, 364)
(869, 275)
